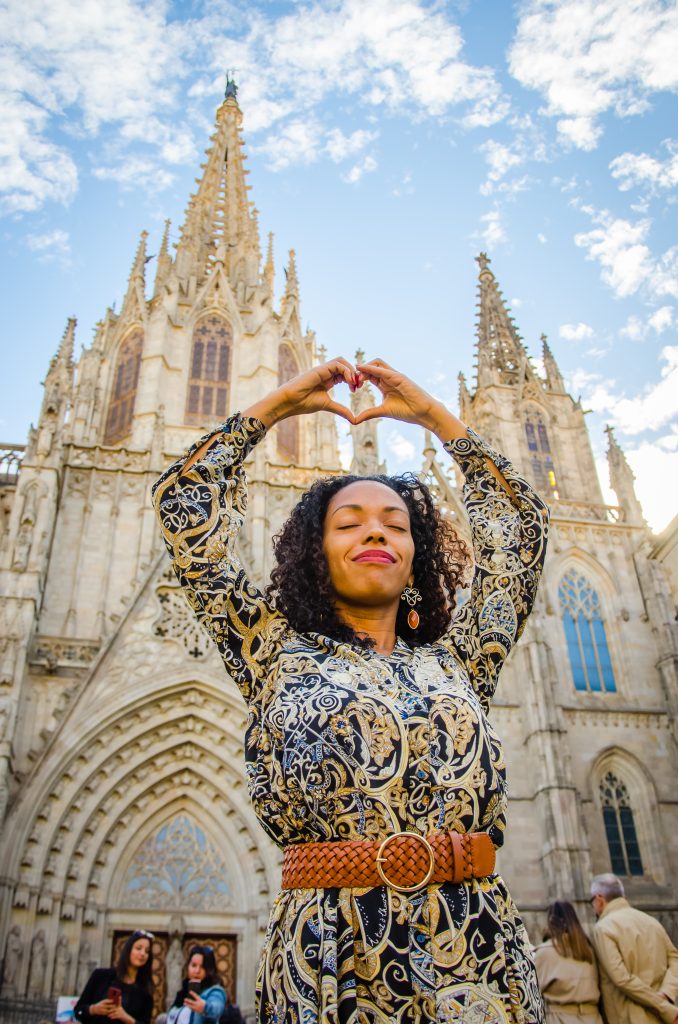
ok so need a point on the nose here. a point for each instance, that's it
(374, 534)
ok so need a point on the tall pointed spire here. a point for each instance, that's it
(464, 399)
(135, 297)
(622, 481)
(501, 353)
(164, 263)
(220, 225)
(291, 282)
(269, 268)
(554, 378)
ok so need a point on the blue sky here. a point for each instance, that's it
(388, 142)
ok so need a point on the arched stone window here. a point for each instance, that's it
(620, 827)
(207, 398)
(585, 634)
(288, 430)
(124, 390)
(542, 471)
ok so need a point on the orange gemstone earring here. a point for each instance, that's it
(413, 597)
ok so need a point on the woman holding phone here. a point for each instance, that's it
(123, 992)
(202, 997)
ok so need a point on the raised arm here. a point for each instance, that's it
(509, 526)
(201, 502)
(509, 523)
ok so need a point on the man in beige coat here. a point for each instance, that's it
(638, 962)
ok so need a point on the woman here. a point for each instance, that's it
(566, 968)
(209, 1002)
(123, 992)
(366, 721)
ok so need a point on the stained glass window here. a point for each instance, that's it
(207, 398)
(585, 634)
(288, 430)
(620, 828)
(542, 470)
(124, 390)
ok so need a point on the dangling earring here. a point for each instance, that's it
(413, 597)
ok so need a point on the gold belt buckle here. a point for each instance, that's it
(381, 858)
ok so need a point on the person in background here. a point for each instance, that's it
(638, 962)
(209, 1002)
(123, 992)
(566, 969)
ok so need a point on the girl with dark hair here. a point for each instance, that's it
(370, 758)
(123, 992)
(567, 970)
(202, 997)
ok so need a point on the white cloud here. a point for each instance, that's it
(364, 166)
(642, 169)
(627, 262)
(542, 238)
(575, 332)
(297, 142)
(587, 57)
(135, 172)
(121, 71)
(53, 245)
(652, 463)
(659, 321)
(399, 446)
(340, 146)
(655, 407)
(492, 232)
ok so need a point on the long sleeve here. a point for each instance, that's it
(215, 1003)
(201, 511)
(633, 987)
(509, 545)
(94, 991)
(670, 983)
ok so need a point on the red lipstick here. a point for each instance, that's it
(374, 555)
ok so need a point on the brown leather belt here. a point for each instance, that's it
(406, 861)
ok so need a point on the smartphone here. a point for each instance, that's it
(194, 987)
(115, 995)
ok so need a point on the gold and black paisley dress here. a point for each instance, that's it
(344, 743)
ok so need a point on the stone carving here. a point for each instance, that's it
(177, 621)
(85, 965)
(62, 963)
(38, 964)
(178, 867)
(174, 964)
(14, 951)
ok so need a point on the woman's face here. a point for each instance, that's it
(139, 953)
(196, 968)
(368, 545)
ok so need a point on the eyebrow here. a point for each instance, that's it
(360, 508)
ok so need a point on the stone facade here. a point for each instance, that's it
(122, 788)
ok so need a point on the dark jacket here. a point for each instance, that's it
(135, 1001)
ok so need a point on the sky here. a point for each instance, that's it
(388, 142)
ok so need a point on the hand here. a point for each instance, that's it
(117, 1013)
(102, 1009)
(306, 393)
(404, 400)
(194, 1002)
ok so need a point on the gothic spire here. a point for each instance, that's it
(554, 378)
(622, 481)
(291, 281)
(135, 296)
(500, 352)
(464, 399)
(220, 225)
(164, 263)
(269, 267)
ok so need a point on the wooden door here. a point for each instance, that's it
(225, 952)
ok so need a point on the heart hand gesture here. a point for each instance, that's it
(306, 393)
(402, 399)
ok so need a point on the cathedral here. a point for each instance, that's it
(123, 799)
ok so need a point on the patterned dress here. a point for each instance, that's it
(344, 743)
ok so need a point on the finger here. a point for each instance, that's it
(340, 410)
(346, 370)
(373, 413)
(381, 363)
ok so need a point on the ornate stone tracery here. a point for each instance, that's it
(178, 867)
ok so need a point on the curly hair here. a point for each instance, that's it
(300, 584)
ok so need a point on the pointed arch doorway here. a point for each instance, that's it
(180, 885)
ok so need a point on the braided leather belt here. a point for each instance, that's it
(405, 861)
